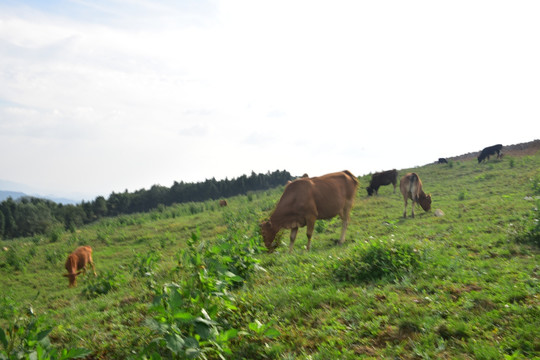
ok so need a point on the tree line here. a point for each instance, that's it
(29, 216)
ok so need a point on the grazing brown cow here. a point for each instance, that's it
(411, 188)
(222, 203)
(308, 199)
(382, 178)
(76, 263)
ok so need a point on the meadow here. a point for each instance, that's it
(193, 281)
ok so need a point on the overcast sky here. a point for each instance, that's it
(101, 96)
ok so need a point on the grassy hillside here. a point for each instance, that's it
(463, 285)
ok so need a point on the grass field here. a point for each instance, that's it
(192, 281)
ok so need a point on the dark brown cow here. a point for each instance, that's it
(307, 199)
(222, 203)
(382, 178)
(76, 263)
(442, 161)
(490, 150)
(411, 188)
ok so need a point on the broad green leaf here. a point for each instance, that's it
(183, 316)
(203, 330)
(255, 326)
(175, 300)
(43, 334)
(205, 321)
(78, 353)
(271, 333)
(229, 334)
(174, 343)
(193, 353)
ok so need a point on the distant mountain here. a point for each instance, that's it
(10, 194)
(4, 194)
(18, 190)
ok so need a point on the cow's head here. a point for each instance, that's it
(369, 190)
(72, 278)
(269, 234)
(425, 201)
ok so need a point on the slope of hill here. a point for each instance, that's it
(522, 149)
(462, 285)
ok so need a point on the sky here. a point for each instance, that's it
(106, 96)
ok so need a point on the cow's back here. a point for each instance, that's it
(333, 192)
(83, 255)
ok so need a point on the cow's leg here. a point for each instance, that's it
(294, 231)
(343, 229)
(345, 219)
(309, 232)
(93, 267)
(405, 208)
(412, 208)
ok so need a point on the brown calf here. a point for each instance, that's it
(222, 203)
(411, 188)
(76, 263)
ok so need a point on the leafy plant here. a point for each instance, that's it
(144, 264)
(102, 284)
(188, 315)
(25, 336)
(379, 259)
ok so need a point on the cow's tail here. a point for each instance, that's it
(351, 176)
(413, 182)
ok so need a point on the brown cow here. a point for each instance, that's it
(308, 199)
(76, 263)
(222, 203)
(411, 188)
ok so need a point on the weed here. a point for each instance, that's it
(15, 259)
(56, 234)
(143, 265)
(102, 284)
(379, 259)
(25, 337)
(187, 315)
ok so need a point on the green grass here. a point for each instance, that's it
(464, 285)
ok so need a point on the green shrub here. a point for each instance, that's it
(15, 260)
(188, 319)
(102, 284)
(25, 337)
(378, 260)
(144, 264)
(56, 234)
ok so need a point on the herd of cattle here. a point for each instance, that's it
(308, 199)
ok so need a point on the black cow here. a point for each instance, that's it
(490, 150)
(382, 178)
(442, 161)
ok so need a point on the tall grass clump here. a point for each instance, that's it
(379, 259)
